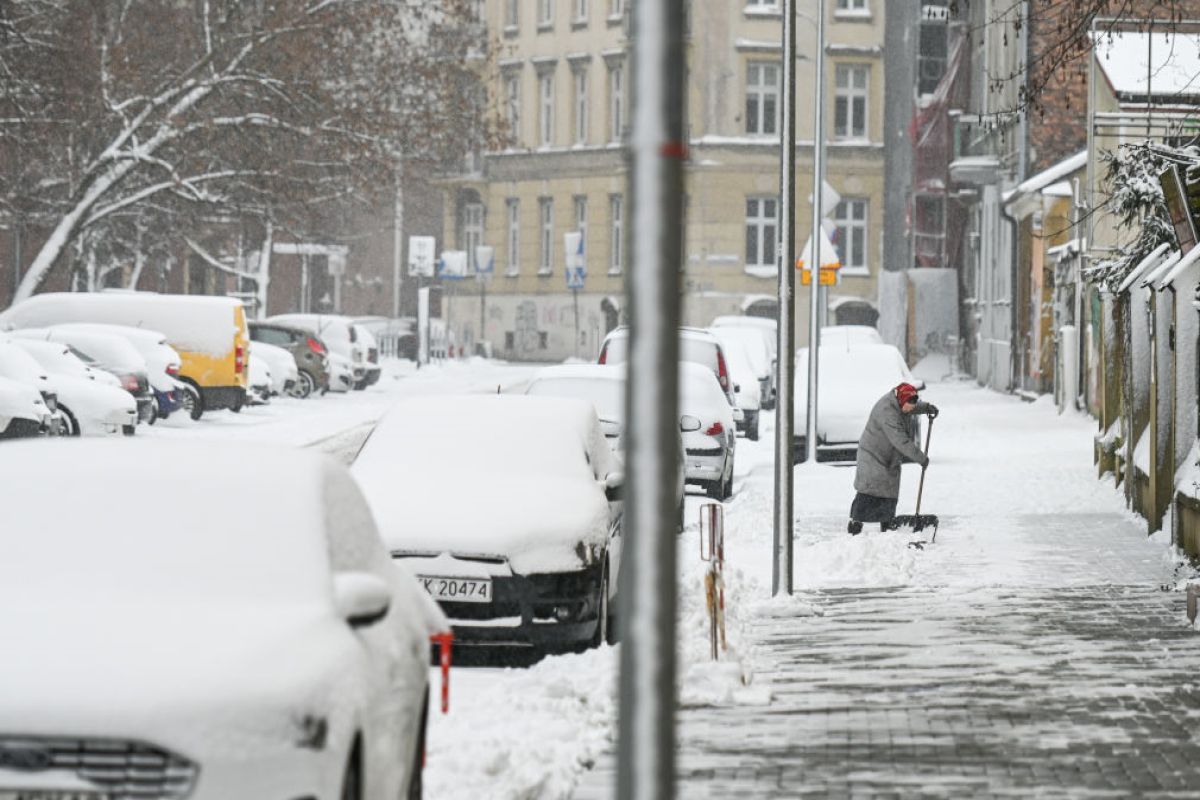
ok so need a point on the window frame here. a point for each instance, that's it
(616, 233)
(511, 79)
(579, 204)
(546, 98)
(850, 95)
(846, 223)
(579, 81)
(512, 16)
(765, 233)
(616, 100)
(545, 18)
(512, 208)
(760, 93)
(545, 236)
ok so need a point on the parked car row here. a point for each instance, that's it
(168, 353)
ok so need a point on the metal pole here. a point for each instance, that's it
(482, 314)
(575, 299)
(657, 150)
(397, 238)
(785, 402)
(814, 323)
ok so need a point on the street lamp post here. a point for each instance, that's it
(814, 324)
(785, 401)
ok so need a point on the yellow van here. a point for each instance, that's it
(209, 333)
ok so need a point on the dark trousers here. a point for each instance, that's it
(869, 508)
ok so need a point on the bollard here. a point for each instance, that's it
(712, 529)
(445, 643)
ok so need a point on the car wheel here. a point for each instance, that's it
(415, 783)
(192, 403)
(304, 385)
(726, 491)
(153, 413)
(752, 430)
(352, 781)
(70, 424)
(128, 430)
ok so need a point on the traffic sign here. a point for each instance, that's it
(452, 265)
(828, 277)
(421, 251)
(485, 262)
(576, 263)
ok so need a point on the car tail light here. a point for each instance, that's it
(603, 354)
(239, 359)
(315, 346)
(173, 370)
(129, 383)
(716, 429)
(722, 372)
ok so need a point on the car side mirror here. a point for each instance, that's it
(737, 387)
(361, 598)
(688, 423)
(613, 484)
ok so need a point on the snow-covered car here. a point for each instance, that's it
(108, 352)
(750, 376)
(695, 344)
(845, 336)
(284, 372)
(370, 346)
(263, 646)
(339, 335)
(768, 330)
(309, 353)
(258, 387)
(851, 381)
(162, 361)
(19, 366)
(709, 433)
(507, 509)
(23, 412)
(341, 373)
(604, 387)
(751, 345)
(89, 407)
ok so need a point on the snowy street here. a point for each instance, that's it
(1031, 648)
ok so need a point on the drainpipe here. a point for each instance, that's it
(1013, 330)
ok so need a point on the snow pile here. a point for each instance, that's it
(522, 734)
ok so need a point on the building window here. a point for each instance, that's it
(546, 239)
(472, 232)
(512, 105)
(762, 98)
(546, 108)
(853, 7)
(581, 215)
(616, 101)
(850, 102)
(850, 217)
(762, 225)
(581, 12)
(512, 14)
(616, 9)
(581, 104)
(545, 14)
(616, 235)
(512, 208)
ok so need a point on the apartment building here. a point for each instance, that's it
(559, 80)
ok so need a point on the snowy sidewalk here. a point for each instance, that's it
(1031, 651)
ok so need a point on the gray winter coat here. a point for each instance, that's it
(884, 442)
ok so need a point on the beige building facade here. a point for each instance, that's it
(559, 82)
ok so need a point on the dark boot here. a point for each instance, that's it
(854, 528)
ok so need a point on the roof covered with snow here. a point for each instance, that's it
(1049, 176)
(1164, 66)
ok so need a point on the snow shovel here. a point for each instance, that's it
(918, 521)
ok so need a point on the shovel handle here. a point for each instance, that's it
(921, 486)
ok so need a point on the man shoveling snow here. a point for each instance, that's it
(885, 442)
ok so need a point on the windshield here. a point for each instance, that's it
(697, 350)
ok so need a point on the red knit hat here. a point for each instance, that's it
(905, 393)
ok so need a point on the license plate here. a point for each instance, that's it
(42, 794)
(459, 590)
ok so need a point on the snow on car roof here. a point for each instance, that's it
(194, 323)
(600, 384)
(173, 521)
(508, 475)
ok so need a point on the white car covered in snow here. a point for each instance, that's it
(751, 375)
(851, 379)
(846, 336)
(507, 509)
(604, 387)
(341, 373)
(259, 382)
(281, 363)
(263, 646)
(89, 407)
(23, 412)
(709, 433)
